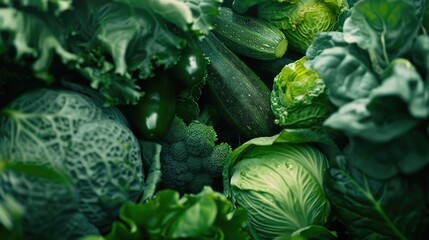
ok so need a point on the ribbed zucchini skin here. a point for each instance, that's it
(238, 93)
(249, 36)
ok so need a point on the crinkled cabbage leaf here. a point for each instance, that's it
(301, 21)
(299, 98)
(68, 131)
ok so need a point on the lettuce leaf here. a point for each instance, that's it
(206, 215)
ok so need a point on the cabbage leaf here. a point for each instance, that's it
(279, 180)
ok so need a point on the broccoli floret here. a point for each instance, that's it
(190, 158)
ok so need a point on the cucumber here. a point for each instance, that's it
(240, 96)
(249, 36)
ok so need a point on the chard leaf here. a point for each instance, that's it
(378, 26)
(343, 67)
(377, 209)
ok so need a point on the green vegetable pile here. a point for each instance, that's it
(214, 120)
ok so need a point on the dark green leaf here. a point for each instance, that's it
(406, 154)
(373, 209)
(386, 29)
(36, 38)
(11, 213)
(151, 157)
(39, 171)
(344, 68)
(355, 119)
(401, 80)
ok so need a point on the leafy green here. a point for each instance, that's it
(113, 44)
(11, 213)
(299, 97)
(313, 232)
(206, 215)
(301, 21)
(36, 35)
(279, 180)
(345, 69)
(379, 28)
(377, 209)
(376, 73)
(91, 145)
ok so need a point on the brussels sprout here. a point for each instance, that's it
(301, 20)
(279, 181)
(299, 97)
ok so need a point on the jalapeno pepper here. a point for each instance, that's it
(153, 114)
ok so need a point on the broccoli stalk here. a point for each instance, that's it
(190, 158)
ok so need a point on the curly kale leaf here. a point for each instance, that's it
(112, 44)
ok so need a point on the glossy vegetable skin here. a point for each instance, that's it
(191, 68)
(153, 113)
(249, 36)
(237, 92)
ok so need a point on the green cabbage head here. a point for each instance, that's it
(279, 183)
(91, 145)
(299, 97)
(301, 20)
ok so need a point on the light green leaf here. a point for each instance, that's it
(195, 220)
(299, 98)
(301, 21)
(206, 215)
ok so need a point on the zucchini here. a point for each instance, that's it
(249, 36)
(240, 96)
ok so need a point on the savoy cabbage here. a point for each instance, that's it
(70, 132)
